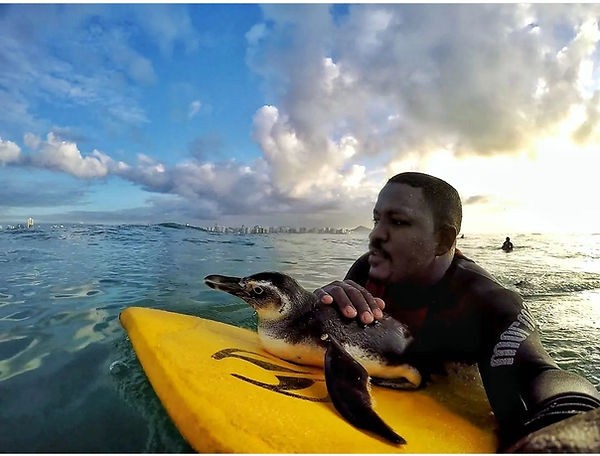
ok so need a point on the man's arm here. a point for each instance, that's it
(525, 387)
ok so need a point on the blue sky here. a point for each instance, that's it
(297, 114)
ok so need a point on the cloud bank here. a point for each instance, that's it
(355, 89)
(474, 79)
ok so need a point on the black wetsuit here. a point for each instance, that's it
(469, 317)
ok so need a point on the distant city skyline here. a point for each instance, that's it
(260, 229)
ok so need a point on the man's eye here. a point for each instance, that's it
(375, 221)
(400, 222)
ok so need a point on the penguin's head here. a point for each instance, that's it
(273, 295)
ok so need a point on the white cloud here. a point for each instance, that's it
(32, 141)
(168, 26)
(194, 108)
(256, 33)
(209, 189)
(479, 79)
(9, 152)
(64, 156)
(300, 169)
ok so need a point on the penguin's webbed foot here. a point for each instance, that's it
(348, 386)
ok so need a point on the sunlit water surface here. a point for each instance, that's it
(69, 379)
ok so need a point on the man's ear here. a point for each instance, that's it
(446, 238)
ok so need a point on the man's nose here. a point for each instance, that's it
(378, 233)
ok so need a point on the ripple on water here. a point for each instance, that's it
(18, 316)
(21, 357)
(69, 330)
(12, 347)
(77, 292)
(110, 281)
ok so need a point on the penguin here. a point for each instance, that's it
(294, 325)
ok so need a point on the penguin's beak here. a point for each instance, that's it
(225, 283)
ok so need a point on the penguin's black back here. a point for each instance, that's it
(386, 339)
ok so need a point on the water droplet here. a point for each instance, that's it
(117, 368)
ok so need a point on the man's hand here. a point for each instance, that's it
(352, 299)
(577, 434)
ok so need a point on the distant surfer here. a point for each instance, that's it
(507, 246)
(457, 311)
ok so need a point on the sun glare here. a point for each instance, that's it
(548, 188)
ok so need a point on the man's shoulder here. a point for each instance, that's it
(467, 272)
(478, 285)
(359, 271)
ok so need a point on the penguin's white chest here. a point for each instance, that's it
(306, 352)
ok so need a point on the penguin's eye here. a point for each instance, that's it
(257, 290)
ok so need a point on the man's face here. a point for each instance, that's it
(403, 241)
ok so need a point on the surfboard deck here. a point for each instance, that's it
(226, 394)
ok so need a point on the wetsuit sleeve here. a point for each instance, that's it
(359, 271)
(525, 387)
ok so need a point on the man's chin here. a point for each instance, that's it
(378, 274)
(379, 268)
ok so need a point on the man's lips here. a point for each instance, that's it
(378, 254)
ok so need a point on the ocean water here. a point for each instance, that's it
(70, 381)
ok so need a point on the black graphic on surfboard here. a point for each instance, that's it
(286, 383)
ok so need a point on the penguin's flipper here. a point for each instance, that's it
(348, 386)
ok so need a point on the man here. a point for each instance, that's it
(456, 310)
(507, 246)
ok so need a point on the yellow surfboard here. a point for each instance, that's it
(226, 394)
